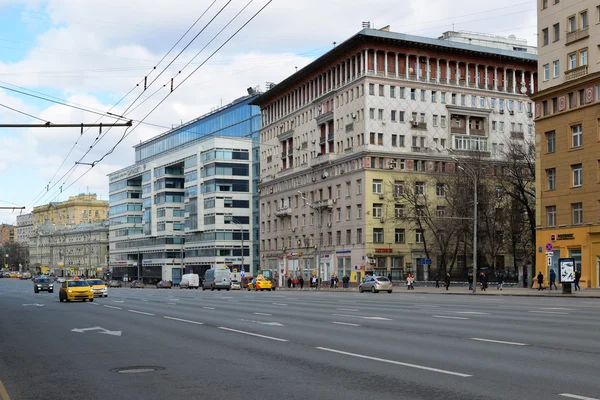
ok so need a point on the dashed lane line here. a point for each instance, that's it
(253, 334)
(184, 320)
(140, 312)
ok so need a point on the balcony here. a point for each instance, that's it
(417, 149)
(579, 34)
(517, 135)
(290, 151)
(323, 158)
(349, 150)
(324, 118)
(284, 154)
(322, 139)
(419, 125)
(286, 135)
(460, 131)
(328, 203)
(283, 212)
(576, 72)
(478, 132)
(330, 137)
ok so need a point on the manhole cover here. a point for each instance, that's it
(137, 369)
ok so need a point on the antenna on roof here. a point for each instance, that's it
(334, 43)
(366, 24)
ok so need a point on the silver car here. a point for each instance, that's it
(375, 284)
(235, 285)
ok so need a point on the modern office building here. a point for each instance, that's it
(379, 109)
(567, 116)
(24, 228)
(189, 201)
(81, 209)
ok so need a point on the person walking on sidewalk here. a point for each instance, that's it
(447, 281)
(540, 281)
(577, 279)
(390, 278)
(483, 282)
(301, 282)
(470, 282)
(500, 281)
(437, 280)
(289, 282)
(553, 279)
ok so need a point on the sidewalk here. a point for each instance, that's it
(464, 290)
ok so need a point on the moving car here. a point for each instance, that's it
(115, 283)
(60, 279)
(189, 281)
(43, 284)
(164, 285)
(98, 287)
(375, 284)
(25, 276)
(75, 290)
(236, 285)
(217, 278)
(137, 284)
(260, 284)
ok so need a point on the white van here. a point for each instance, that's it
(189, 281)
(217, 278)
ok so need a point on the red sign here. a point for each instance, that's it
(383, 250)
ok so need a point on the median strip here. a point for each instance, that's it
(184, 320)
(253, 334)
(140, 312)
(500, 342)
(403, 364)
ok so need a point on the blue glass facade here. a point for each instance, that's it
(236, 119)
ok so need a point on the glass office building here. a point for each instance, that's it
(190, 201)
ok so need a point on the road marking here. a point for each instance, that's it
(120, 301)
(363, 317)
(94, 304)
(140, 312)
(441, 371)
(260, 313)
(500, 342)
(3, 393)
(184, 320)
(253, 334)
(144, 300)
(557, 308)
(344, 323)
(550, 312)
(34, 304)
(279, 304)
(173, 304)
(116, 308)
(209, 308)
(448, 317)
(97, 328)
(471, 312)
(575, 396)
(346, 309)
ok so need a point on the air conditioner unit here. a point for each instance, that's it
(393, 164)
(334, 201)
(293, 229)
(271, 191)
(529, 114)
(382, 219)
(501, 111)
(511, 112)
(342, 171)
(381, 196)
(298, 147)
(314, 179)
(353, 116)
(329, 224)
(415, 123)
(383, 122)
(313, 141)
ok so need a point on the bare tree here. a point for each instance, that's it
(491, 222)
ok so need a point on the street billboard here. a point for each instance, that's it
(566, 268)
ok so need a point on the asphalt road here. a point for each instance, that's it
(189, 344)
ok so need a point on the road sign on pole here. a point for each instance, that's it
(549, 246)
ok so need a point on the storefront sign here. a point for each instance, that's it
(383, 250)
(565, 236)
(566, 268)
(343, 252)
(127, 173)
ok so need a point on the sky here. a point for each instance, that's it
(93, 55)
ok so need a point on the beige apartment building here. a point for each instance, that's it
(80, 209)
(567, 116)
(381, 107)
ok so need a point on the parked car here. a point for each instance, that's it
(137, 284)
(43, 284)
(164, 285)
(236, 285)
(375, 284)
(115, 283)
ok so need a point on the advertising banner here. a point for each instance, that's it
(566, 268)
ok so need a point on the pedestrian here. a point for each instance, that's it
(577, 279)
(390, 278)
(447, 281)
(289, 283)
(301, 282)
(437, 280)
(553, 279)
(470, 282)
(500, 281)
(540, 280)
(483, 282)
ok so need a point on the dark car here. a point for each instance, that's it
(164, 285)
(43, 285)
(137, 284)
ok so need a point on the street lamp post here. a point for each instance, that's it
(473, 175)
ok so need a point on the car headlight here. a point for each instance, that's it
(70, 291)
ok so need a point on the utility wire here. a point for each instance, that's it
(24, 113)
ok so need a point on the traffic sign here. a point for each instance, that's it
(550, 253)
(242, 273)
(425, 261)
(549, 261)
(549, 246)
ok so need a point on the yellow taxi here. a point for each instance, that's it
(260, 284)
(75, 290)
(98, 287)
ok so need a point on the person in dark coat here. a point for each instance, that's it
(483, 281)
(289, 282)
(553, 279)
(470, 282)
(577, 279)
(390, 277)
(540, 281)
(500, 281)
(447, 281)
(437, 280)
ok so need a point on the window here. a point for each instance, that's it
(398, 188)
(380, 114)
(551, 178)
(556, 68)
(401, 93)
(546, 72)
(372, 113)
(359, 186)
(348, 213)
(582, 58)
(372, 141)
(577, 135)
(358, 236)
(422, 94)
(401, 116)
(443, 97)
(572, 61)
(419, 238)
(440, 211)
(413, 94)
(544, 4)
(358, 211)
(551, 142)
(556, 32)
(399, 211)
(377, 235)
(338, 191)
(393, 115)
(399, 235)
(463, 100)
(453, 98)
(583, 19)
(372, 89)
(501, 125)
(577, 212)
(377, 210)
(392, 91)
(394, 140)
(377, 186)
(443, 121)
(381, 89)
(440, 190)
(494, 124)
(433, 96)
(400, 140)
(571, 24)
(435, 120)
(545, 37)
(380, 139)
(348, 189)
(419, 187)
(551, 216)
(577, 175)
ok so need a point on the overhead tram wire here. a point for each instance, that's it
(195, 70)
(24, 113)
(197, 54)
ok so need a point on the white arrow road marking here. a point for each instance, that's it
(347, 309)
(499, 341)
(279, 304)
(471, 312)
(575, 396)
(550, 312)
(260, 313)
(96, 328)
(35, 305)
